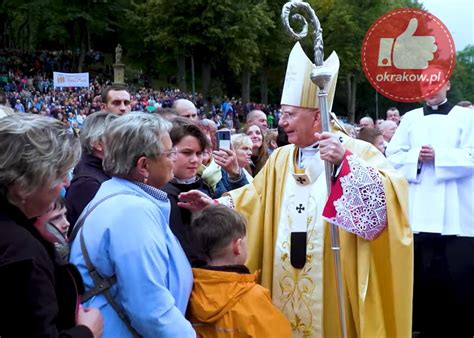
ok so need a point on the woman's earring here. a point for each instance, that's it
(145, 180)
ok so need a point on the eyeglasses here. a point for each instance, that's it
(171, 154)
(287, 115)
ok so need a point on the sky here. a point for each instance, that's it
(457, 15)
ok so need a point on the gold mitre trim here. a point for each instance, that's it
(298, 89)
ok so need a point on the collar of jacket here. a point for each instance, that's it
(196, 184)
(242, 269)
(10, 212)
(442, 109)
(92, 161)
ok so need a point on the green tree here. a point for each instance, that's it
(462, 84)
(170, 26)
(274, 50)
(344, 24)
(75, 22)
(215, 33)
(60, 24)
(19, 22)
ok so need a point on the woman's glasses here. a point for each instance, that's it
(171, 154)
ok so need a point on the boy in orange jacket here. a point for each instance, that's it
(226, 300)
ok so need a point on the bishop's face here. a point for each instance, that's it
(300, 124)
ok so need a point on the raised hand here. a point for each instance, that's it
(194, 200)
(227, 159)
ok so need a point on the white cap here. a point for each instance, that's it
(299, 90)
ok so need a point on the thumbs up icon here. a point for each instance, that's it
(409, 51)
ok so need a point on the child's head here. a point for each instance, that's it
(220, 233)
(57, 217)
(190, 142)
(53, 225)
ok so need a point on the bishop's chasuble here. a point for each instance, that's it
(377, 274)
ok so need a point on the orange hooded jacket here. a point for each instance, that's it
(233, 305)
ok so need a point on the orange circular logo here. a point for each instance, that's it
(408, 55)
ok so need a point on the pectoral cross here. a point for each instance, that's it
(300, 208)
(301, 180)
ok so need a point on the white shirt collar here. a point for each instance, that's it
(435, 107)
(307, 153)
(186, 180)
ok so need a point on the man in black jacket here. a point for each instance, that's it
(88, 174)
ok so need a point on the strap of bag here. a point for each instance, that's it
(102, 285)
(82, 218)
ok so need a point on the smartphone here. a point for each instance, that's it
(223, 139)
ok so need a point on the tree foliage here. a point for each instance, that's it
(345, 23)
(222, 33)
(462, 85)
(59, 24)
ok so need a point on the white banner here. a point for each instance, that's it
(71, 79)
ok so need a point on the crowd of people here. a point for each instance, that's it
(26, 78)
(123, 214)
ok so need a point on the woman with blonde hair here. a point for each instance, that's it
(38, 292)
(243, 149)
(270, 138)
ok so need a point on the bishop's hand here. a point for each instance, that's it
(330, 148)
(194, 200)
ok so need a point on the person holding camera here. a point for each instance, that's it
(190, 143)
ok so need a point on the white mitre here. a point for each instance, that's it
(299, 90)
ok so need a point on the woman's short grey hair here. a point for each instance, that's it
(94, 130)
(131, 136)
(239, 140)
(35, 151)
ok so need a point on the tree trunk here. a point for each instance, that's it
(7, 35)
(354, 98)
(83, 33)
(20, 36)
(89, 44)
(351, 91)
(71, 44)
(31, 28)
(193, 79)
(205, 78)
(181, 61)
(28, 32)
(3, 35)
(245, 86)
(263, 87)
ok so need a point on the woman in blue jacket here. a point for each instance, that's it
(123, 239)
